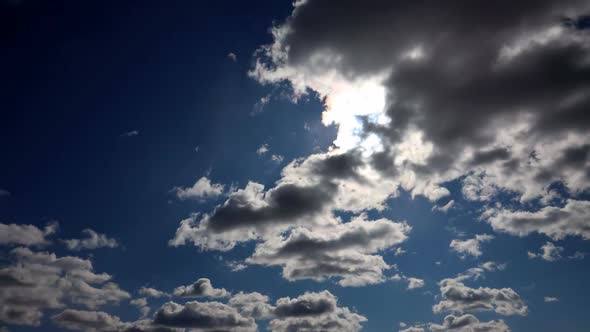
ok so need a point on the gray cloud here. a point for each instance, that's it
(469, 323)
(201, 288)
(26, 235)
(87, 321)
(152, 292)
(37, 281)
(203, 316)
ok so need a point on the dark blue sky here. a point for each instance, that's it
(76, 76)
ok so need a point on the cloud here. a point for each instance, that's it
(263, 149)
(555, 222)
(550, 252)
(413, 329)
(152, 292)
(345, 251)
(202, 189)
(277, 158)
(470, 246)
(415, 283)
(260, 105)
(26, 235)
(4, 193)
(469, 323)
(445, 208)
(37, 281)
(550, 299)
(232, 56)
(131, 133)
(253, 305)
(93, 241)
(456, 297)
(142, 305)
(201, 288)
(87, 321)
(203, 316)
(508, 128)
(314, 311)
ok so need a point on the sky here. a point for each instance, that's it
(284, 166)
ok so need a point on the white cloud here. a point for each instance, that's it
(232, 56)
(202, 189)
(549, 252)
(550, 299)
(263, 149)
(152, 292)
(93, 241)
(130, 133)
(470, 246)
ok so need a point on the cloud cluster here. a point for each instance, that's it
(37, 281)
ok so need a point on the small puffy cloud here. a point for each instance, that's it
(260, 105)
(26, 235)
(263, 149)
(202, 189)
(203, 316)
(549, 252)
(470, 246)
(469, 323)
(314, 312)
(415, 283)
(201, 288)
(93, 240)
(236, 266)
(232, 56)
(130, 133)
(152, 292)
(550, 299)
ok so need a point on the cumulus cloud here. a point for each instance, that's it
(457, 297)
(413, 329)
(232, 56)
(203, 316)
(553, 221)
(26, 235)
(470, 247)
(142, 305)
(511, 121)
(263, 149)
(93, 240)
(469, 323)
(253, 305)
(202, 189)
(345, 251)
(87, 321)
(37, 281)
(314, 311)
(201, 288)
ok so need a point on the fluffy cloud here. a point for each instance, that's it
(549, 252)
(39, 280)
(470, 246)
(550, 299)
(343, 250)
(202, 189)
(203, 316)
(469, 323)
(93, 240)
(511, 121)
(456, 297)
(314, 311)
(253, 305)
(201, 288)
(555, 222)
(26, 235)
(142, 305)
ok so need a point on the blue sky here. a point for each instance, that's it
(360, 170)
